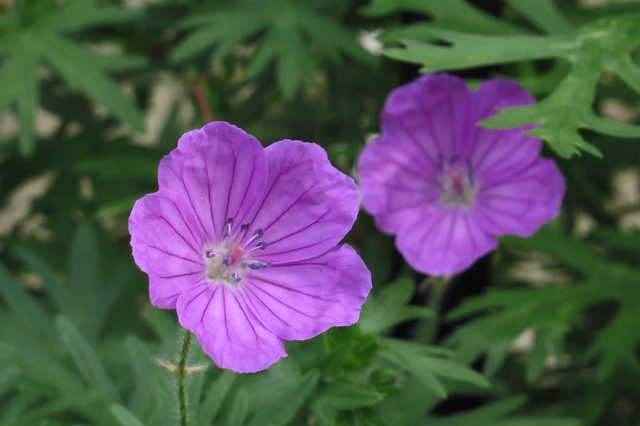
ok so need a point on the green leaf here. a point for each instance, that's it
(124, 416)
(389, 307)
(215, 396)
(419, 360)
(85, 358)
(285, 33)
(239, 408)
(41, 369)
(343, 396)
(153, 385)
(289, 402)
(452, 14)
(27, 45)
(543, 14)
(552, 310)
(495, 414)
(603, 45)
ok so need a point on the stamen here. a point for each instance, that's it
(258, 265)
(235, 277)
(258, 233)
(262, 245)
(226, 261)
(245, 226)
(470, 172)
(210, 254)
(228, 224)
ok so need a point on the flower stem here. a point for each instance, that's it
(437, 287)
(181, 375)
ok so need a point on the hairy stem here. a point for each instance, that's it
(181, 375)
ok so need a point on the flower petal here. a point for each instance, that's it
(433, 115)
(445, 242)
(308, 205)
(523, 202)
(220, 171)
(501, 152)
(300, 300)
(227, 329)
(392, 185)
(166, 245)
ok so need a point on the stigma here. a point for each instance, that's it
(236, 252)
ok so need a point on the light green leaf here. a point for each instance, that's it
(124, 416)
(215, 396)
(85, 358)
(290, 400)
(239, 408)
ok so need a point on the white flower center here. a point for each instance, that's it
(227, 260)
(456, 181)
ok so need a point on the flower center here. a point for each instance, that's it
(236, 252)
(455, 181)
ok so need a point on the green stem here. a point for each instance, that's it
(181, 374)
(437, 287)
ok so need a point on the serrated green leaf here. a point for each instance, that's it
(551, 310)
(568, 109)
(124, 416)
(79, 71)
(85, 358)
(75, 15)
(34, 38)
(452, 14)
(543, 14)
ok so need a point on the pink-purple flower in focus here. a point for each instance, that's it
(447, 187)
(242, 241)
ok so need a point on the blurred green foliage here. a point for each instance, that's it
(94, 92)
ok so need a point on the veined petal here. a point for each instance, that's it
(444, 243)
(166, 245)
(433, 115)
(393, 185)
(227, 329)
(300, 300)
(308, 205)
(523, 202)
(220, 171)
(501, 152)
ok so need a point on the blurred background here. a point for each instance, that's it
(93, 93)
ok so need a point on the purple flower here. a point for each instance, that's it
(241, 240)
(447, 187)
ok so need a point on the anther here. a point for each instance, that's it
(245, 226)
(228, 224)
(235, 277)
(258, 265)
(210, 254)
(262, 245)
(258, 233)
(226, 261)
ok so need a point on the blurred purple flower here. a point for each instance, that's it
(241, 240)
(447, 187)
